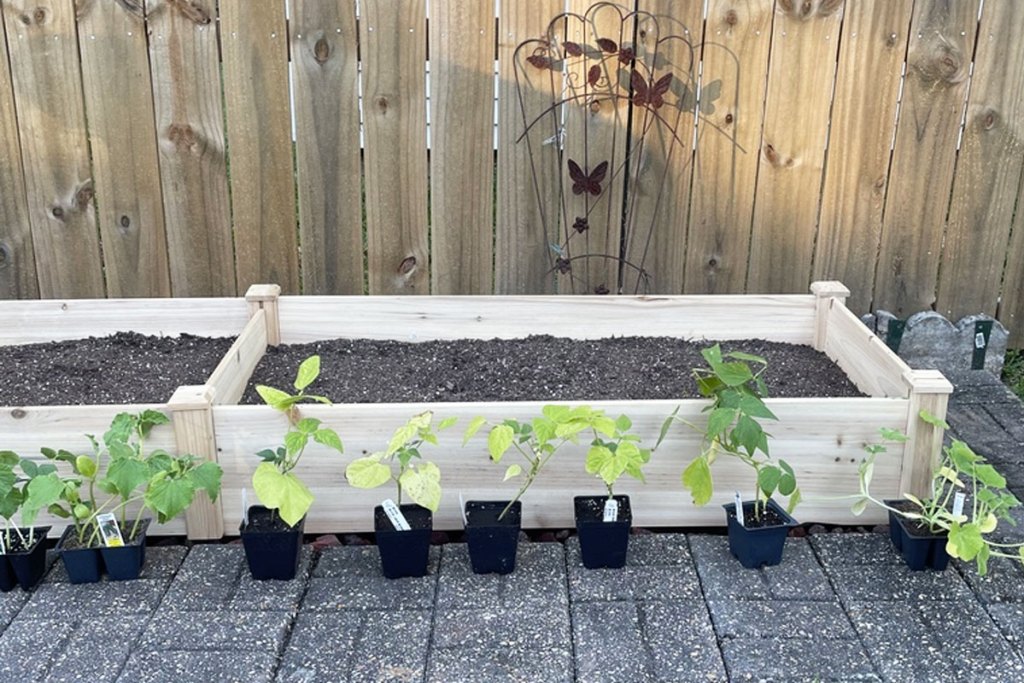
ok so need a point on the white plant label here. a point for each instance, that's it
(611, 510)
(3, 548)
(958, 504)
(739, 507)
(245, 507)
(462, 509)
(398, 520)
(979, 341)
(110, 531)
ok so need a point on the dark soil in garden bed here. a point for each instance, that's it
(538, 368)
(122, 368)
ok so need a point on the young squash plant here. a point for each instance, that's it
(734, 383)
(35, 489)
(611, 457)
(420, 481)
(276, 485)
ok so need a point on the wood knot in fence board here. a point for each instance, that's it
(731, 18)
(988, 119)
(807, 9)
(940, 63)
(5, 255)
(322, 51)
(84, 195)
(182, 135)
(191, 10)
(775, 159)
(407, 265)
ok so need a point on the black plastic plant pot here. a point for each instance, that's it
(7, 578)
(404, 553)
(83, 565)
(761, 545)
(272, 547)
(920, 549)
(492, 542)
(29, 565)
(603, 545)
(125, 563)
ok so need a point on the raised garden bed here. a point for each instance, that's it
(821, 437)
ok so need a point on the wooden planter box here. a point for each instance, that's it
(821, 437)
(26, 429)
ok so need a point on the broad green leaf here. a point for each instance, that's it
(423, 485)
(666, 425)
(294, 442)
(512, 471)
(10, 502)
(749, 357)
(151, 418)
(401, 437)
(623, 423)
(933, 419)
(282, 492)
(859, 507)
(121, 428)
(80, 511)
(697, 479)
(982, 559)
(712, 354)
(499, 440)
(787, 484)
(169, 497)
(555, 413)
(964, 542)
(41, 492)
(613, 469)
(275, 398)
(267, 454)
(794, 500)
(207, 476)
(893, 435)
(7, 479)
(988, 524)
(307, 425)
(85, 466)
(768, 480)
(867, 471)
(474, 426)
(543, 429)
(719, 420)
(605, 425)
(329, 438)
(747, 434)
(734, 374)
(596, 458)
(447, 422)
(989, 476)
(308, 371)
(9, 459)
(368, 472)
(755, 407)
(914, 499)
(30, 468)
(126, 475)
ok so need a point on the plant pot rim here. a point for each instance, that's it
(243, 526)
(40, 533)
(904, 523)
(788, 520)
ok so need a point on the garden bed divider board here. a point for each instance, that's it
(821, 437)
(26, 429)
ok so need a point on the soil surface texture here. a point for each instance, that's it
(537, 368)
(121, 368)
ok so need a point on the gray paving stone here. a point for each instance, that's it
(607, 637)
(357, 646)
(799, 576)
(97, 650)
(1004, 581)
(220, 630)
(501, 628)
(28, 646)
(837, 550)
(780, 618)
(161, 563)
(10, 604)
(72, 601)
(363, 586)
(656, 569)
(1010, 417)
(1009, 617)
(973, 643)
(722, 576)
(976, 425)
(476, 664)
(217, 577)
(680, 641)
(978, 386)
(778, 659)
(199, 666)
(539, 579)
(897, 582)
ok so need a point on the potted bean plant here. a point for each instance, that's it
(968, 500)
(103, 534)
(272, 531)
(492, 527)
(403, 530)
(733, 381)
(22, 547)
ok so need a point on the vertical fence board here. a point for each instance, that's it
(942, 36)
(792, 154)
(595, 131)
(1011, 309)
(185, 65)
(325, 61)
(735, 56)
(989, 168)
(17, 258)
(119, 109)
(254, 44)
(874, 42)
(661, 150)
(461, 156)
(394, 42)
(522, 246)
(45, 71)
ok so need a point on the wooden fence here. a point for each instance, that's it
(146, 149)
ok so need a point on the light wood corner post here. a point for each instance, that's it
(929, 390)
(191, 409)
(264, 297)
(828, 293)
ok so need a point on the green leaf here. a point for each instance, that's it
(328, 437)
(7, 479)
(749, 357)
(41, 492)
(666, 425)
(474, 426)
(712, 354)
(859, 507)
(755, 407)
(447, 422)
(768, 480)
(747, 434)
(893, 435)
(169, 497)
(127, 474)
(989, 476)
(275, 398)
(499, 440)
(697, 479)
(402, 436)
(794, 500)
(282, 492)
(933, 419)
(86, 466)
(422, 484)
(307, 425)
(596, 458)
(309, 370)
(121, 428)
(512, 471)
(368, 472)
(29, 467)
(207, 476)
(9, 459)
(294, 442)
(623, 423)
(719, 420)
(734, 374)
(555, 413)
